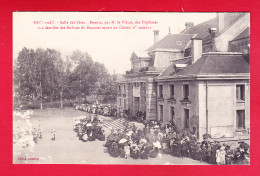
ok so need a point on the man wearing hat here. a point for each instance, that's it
(53, 134)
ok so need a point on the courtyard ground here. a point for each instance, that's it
(68, 149)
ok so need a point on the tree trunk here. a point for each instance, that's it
(41, 94)
(52, 98)
(61, 101)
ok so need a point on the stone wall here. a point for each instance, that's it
(178, 104)
(151, 99)
(222, 108)
(163, 59)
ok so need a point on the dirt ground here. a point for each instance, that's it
(67, 149)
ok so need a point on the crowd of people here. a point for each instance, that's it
(88, 130)
(155, 138)
(96, 108)
(133, 115)
(27, 136)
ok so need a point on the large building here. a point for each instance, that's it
(199, 79)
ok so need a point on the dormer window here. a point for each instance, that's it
(179, 67)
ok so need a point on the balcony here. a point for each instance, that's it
(185, 101)
(143, 69)
(130, 71)
(171, 100)
(160, 99)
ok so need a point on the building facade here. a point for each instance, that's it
(206, 97)
(198, 79)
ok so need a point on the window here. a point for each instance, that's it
(186, 118)
(194, 130)
(119, 101)
(240, 92)
(124, 90)
(186, 92)
(161, 113)
(172, 114)
(241, 119)
(145, 103)
(136, 103)
(171, 91)
(160, 91)
(124, 103)
(119, 90)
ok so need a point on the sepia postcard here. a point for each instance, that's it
(138, 88)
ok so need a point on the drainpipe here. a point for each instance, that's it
(207, 113)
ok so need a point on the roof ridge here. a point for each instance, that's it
(200, 24)
(240, 33)
(233, 22)
(168, 42)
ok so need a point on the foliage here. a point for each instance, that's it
(44, 76)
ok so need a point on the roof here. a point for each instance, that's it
(212, 63)
(170, 70)
(217, 63)
(202, 29)
(119, 78)
(244, 34)
(172, 41)
(141, 54)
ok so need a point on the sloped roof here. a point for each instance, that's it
(172, 41)
(202, 29)
(170, 70)
(244, 34)
(141, 54)
(217, 63)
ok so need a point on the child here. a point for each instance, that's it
(218, 155)
(222, 155)
(40, 132)
(127, 151)
(53, 134)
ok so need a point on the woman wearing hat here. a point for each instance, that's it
(229, 155)
(222, 155)
(127, 151)
(218, 155)
(214, 148)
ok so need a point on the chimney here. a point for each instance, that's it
(221, 21)
(156, 35)
(212, 31)
(196, 50)
(189, 24)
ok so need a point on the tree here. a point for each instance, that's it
(82, 78)
(108, 89)
(44, 75)
(37, 73)
(57, 74)
(22, 85)
(62, 75)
